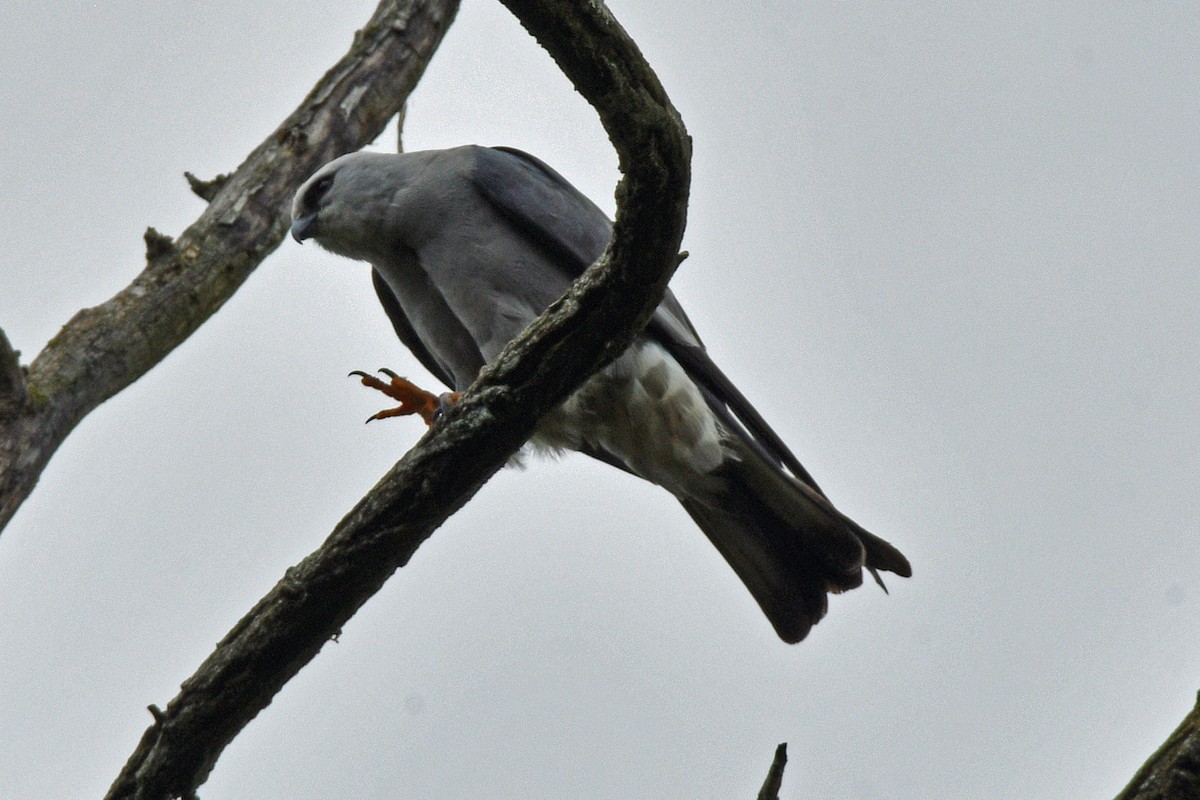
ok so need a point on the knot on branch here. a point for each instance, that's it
(293, 138)
(14, 391)
(206, 190)
(158, 245)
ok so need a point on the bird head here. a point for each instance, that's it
(338, 206)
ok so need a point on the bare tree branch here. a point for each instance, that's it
(102, 350)
(591, 325)
(1173, 772)
(770, 787)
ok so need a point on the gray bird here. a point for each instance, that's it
(469, 245)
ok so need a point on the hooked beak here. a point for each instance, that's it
(305, 227)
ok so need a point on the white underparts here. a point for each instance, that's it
(645, 410)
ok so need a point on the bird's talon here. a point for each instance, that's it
(413, 399)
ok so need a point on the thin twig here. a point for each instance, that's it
(770, 787)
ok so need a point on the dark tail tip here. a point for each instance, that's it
(882, 555)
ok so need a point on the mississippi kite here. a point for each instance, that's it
(469, 245)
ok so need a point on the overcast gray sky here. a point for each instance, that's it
(949, 250)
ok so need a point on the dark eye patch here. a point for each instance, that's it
(317, 191)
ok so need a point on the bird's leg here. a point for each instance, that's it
(413, 399)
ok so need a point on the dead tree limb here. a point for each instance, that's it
(591, 325)
(104, 349)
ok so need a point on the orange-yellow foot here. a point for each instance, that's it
(413, 399)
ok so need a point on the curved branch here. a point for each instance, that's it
(593, 323)
(102, 350)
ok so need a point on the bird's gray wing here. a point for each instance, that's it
(404, 330)
(548, 210)
(543, 206)
(570, 228)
